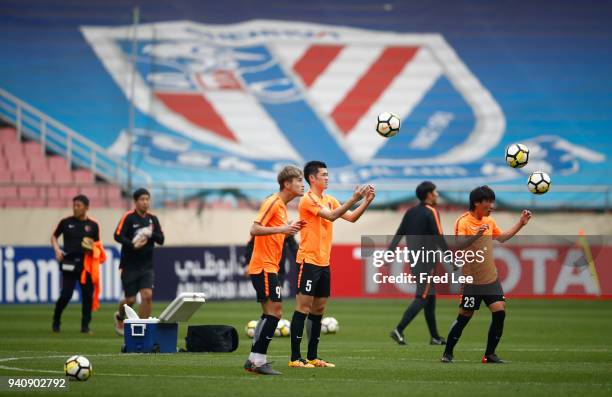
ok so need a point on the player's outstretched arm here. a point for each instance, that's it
(332, 215)
(508, 234)
(289, 229)
(353, 216)
(463, 241)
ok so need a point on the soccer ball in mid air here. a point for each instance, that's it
(329, 325)
(387, 124)
(538, 182)
(250, 328)
(517, 155)
(78, 368)
(283, 328)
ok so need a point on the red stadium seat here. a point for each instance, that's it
(28, 192)
(22, 176)
(83, 176)
(33, 149)
(13, 202)
(58, 163)
(38, 163)
(51, 191)
(14, 148)
(7, 135)
(5, 175)
(8, 191)
(35, 202)
(17, 164)
(69, 191)
(92, 192)
(110, 191)
(62, 175)
(42, 176)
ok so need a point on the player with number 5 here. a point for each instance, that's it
(319, 210)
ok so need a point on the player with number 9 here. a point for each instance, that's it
(269, 231)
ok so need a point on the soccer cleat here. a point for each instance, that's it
(317, 362)
(118, 324)
(492, 359)
(300, 363)
(55, 327)
(248, 365)
(86, 330)
(447, 358)
(397, 336)
(265, 369)
(437, 341)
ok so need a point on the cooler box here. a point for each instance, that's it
(160, 335)
(149, 336)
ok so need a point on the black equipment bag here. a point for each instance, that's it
(211, 338)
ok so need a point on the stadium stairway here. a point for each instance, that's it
(31, 178)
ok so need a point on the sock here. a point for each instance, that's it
(265, 336)
(313, 326)
(495, 331)
(297, 329)
(410, 313)
(455, 333)
(258, 359)
(257, 330)
(430, 316)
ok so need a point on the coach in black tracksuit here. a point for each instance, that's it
(422, 228)
(74, 228)
(137, 232)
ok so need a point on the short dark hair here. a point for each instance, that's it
(424, 189)
(480, 194)
(312, 168)
(82, 198)
(140, 192)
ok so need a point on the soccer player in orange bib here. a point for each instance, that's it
(319, 211)
(482, 230)
(269, 230)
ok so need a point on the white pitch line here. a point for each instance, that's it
(290, 379)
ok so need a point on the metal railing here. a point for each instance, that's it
(58, 138)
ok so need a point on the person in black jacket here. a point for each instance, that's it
(137, 232)
(75, 229)
(422, 228)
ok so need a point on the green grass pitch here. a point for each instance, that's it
(552, 348)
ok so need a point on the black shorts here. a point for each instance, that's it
(472, 295)
(313, 280)
(267, 286)
(134, 280)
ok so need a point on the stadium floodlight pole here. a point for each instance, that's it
(132, 110)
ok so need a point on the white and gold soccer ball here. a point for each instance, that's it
(283, 328)
(78, 368)
(517, 155)
(538, 182)
(329, 325)
(250, 328)
(387, 124)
